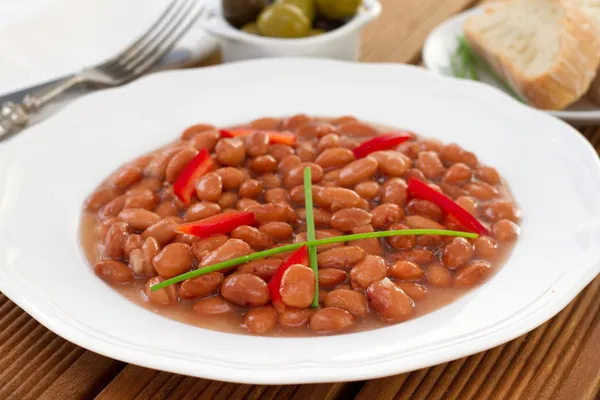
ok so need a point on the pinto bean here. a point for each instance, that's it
(114, 241)
(419, 222)
(173, 260)
(113, 208)
(486, 248)
(350, 300)
(257, 144)
(260, 320)
(394, 191)
(140, 260)
(251, 189)
(406, 270)
(144, 199)
(213, 306)
(252, 236)
(335, 158)
(316, 130)
(228, 200)
(295, 175)
(320, 234)
(131, 243)
(231, 177)
(372, 245)
(277, 230)
(209, 187)
(230, 151)
(100, 198)
(452, 153)
(243, 204)
(162, 297)
(488, 175)
(163, 231)
(270, 181)
(273, 212)
(280, 151)
(349, 218)
(481, 190)
(179, 162)
(295, 122)
(425, 209)
(138, 218)
(357, 129)
(294, 318)
(331, 319)
(389, 302)
(458, 173)
(202, 247)
(297, 286)
(277, 195)
(471, 274)
(438, 275)
(415, 291)
(201, 286)
(417, 256)
(331, 277)
(306, 151)
(457, 253)
(266, 123)
(367, 189)
(158, 165)
(336, 198)
(502, 210)
(322, 217)
(505, 231)
(430, 164)
(194, 130)
(340, 257)
(391, 162)
(468, 203)
(400, 242)
(329, 141)
(233, 248)
(245, 289)
(264, 269)
(287, 163)
(205, 140)
(113, 271)
(201, 210)
(263, 164)
(370, 269)
(357, 171)
(127, 175)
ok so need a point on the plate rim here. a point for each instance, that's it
(127, 354)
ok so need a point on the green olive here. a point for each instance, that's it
(306, 6)
(283, 21)
(338, 9)
(316, 32)
(251, 28)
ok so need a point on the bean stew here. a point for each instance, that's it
(279, 185)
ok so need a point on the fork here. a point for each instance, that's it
(138, 58)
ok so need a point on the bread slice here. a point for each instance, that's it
(592, 9)
(548, 51)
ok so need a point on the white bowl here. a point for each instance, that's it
(47, 171)
(340, 44)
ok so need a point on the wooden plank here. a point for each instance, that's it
(398, 34)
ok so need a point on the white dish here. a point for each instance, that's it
(43, 40)
(340, 44)
(47, 172)
(441, 43)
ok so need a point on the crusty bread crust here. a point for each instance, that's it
(567, 80)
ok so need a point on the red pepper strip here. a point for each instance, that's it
(218, 224)
(274, 136)
(300, 256)
(382, 142)
(420, 189)
(184, 184)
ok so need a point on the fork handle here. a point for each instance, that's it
(15, 116)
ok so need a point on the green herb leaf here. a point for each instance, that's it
(315, 243)
(310, 231)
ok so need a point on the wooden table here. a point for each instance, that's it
(560, 359)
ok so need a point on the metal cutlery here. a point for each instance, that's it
(131, 63)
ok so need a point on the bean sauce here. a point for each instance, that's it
(130, 237)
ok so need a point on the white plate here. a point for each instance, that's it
(441, 44)
(48, 171)
(43, 40)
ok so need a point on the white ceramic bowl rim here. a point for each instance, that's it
(554, 259)
(214, 23)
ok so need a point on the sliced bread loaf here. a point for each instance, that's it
(592, 9)
(547, 50)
